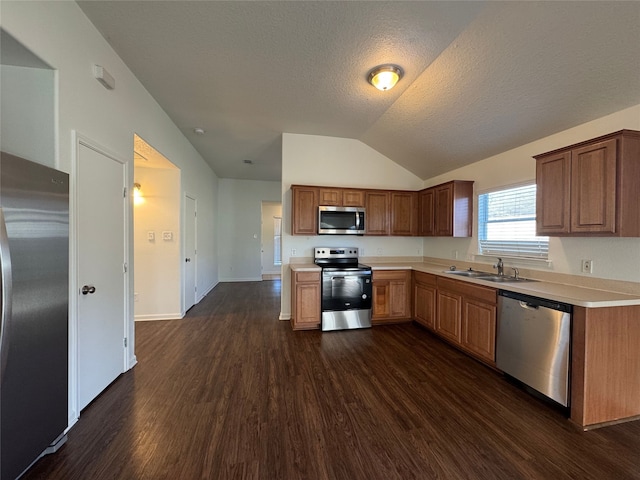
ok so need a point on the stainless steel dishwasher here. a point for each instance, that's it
(533, 343)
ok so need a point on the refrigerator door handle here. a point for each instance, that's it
(5, 287)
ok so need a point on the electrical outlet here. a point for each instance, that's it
(135, 297)
(361, 252)
(454, 254)
(293, 252)
(379, 251)
(587, 266)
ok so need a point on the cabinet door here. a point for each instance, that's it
(308, 304)
(391, 296)
(353, 198)
(305, 210)
(305, 300)
(449, 316)
(425, 305)
(553, 183)
(593, 188)
(427, 207)
(377, 217)
(330, 197)
(444, 210)
(381, 299)
(479, 329)
(404, 213)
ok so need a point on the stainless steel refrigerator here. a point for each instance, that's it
(34, 256)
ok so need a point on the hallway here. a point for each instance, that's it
(230, 392)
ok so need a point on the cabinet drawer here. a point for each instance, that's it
(391, 275)
(307, 277)
(486, 294)
(425, 278)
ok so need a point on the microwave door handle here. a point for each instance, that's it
(357, 220)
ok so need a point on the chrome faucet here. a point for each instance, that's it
(500, 267)
(516, 272)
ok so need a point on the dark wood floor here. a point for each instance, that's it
(230, 392)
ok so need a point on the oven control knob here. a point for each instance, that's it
(364, 296)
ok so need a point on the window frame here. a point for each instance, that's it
(538, 250)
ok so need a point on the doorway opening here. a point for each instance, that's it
(271, 244)
(156, 235)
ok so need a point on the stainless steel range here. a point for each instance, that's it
(346, 288)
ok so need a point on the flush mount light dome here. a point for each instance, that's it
(384, 77)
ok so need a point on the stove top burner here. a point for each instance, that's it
(337, 257)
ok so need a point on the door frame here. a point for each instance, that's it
(184, 251)
(129, 359)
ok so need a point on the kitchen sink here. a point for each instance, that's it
(490, 277)
(497, 278)
(468, 273)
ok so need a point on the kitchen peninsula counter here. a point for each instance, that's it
(560, 292)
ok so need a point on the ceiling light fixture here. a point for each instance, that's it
(198, 131)
(384, 77)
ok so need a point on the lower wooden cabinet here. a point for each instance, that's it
(306, 291)
(479, 328)
(391, 296)
(465, 315)
(424, 299)
(449, 316)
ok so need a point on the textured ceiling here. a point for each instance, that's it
(481, 78)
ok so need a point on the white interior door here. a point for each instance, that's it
(101, 279)
(190, 252)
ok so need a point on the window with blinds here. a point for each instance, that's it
(507, 224)
(277, 240)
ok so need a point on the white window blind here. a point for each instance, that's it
(507, 224)
(277, 240)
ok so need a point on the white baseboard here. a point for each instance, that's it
(158, 316)
(284, 316)
(242, 279)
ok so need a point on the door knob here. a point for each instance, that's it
(88, 289)
(187, 259)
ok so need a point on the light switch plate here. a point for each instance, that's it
(167, 236)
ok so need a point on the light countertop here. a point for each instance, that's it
(574, 295)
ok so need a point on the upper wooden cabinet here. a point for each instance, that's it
(330, 197)
(304, 210)
(590, 188)
(404, 213)
(447, 210)
(377, 216)
(426, 211)
(443, 210)
(352, 198)
(341, 197)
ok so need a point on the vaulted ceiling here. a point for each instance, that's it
(480, 77)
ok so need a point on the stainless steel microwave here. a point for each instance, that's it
(341, 220)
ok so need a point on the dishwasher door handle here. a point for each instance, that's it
(529, 306)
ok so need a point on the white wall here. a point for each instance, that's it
(61, 35)
(27, 116)
(239, 229)
(158, 261)
(613, 258)
(339, 162)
